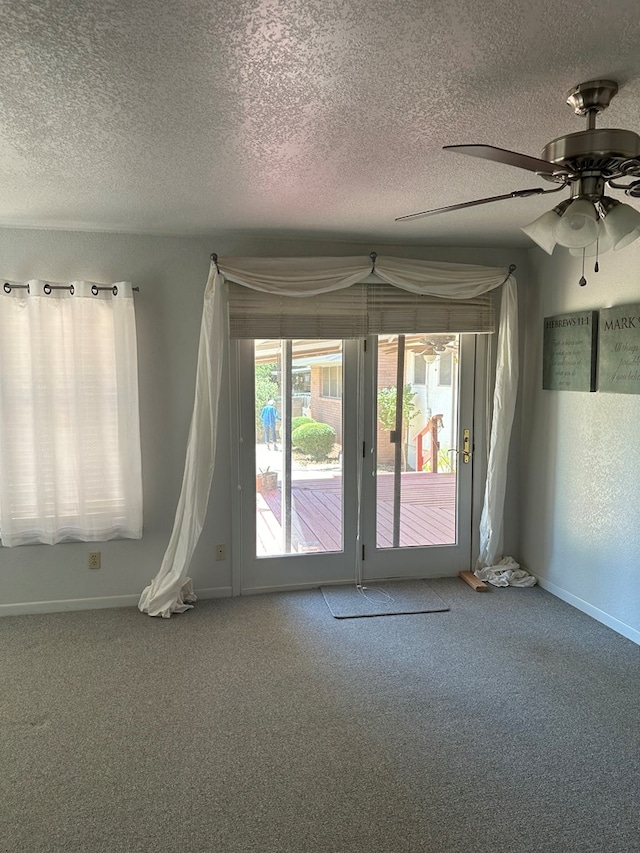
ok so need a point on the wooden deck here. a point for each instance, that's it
(427, 513)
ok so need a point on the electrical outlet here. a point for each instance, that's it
(94, 559)
(221, 552)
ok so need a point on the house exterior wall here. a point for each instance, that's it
(387, 375)
(326, 410)
(431, 398)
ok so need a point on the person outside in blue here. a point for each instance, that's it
(269, 415)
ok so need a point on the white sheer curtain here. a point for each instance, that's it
(504, 404)
(171, 590)
(69, 428)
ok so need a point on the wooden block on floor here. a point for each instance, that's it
(473, 581)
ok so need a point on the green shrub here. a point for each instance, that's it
(300, 420)
(315, 440)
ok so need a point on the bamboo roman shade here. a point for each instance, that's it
(363, 309)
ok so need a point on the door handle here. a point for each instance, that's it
(466, 446)
(466, 451)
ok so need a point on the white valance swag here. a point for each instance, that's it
(171, 590)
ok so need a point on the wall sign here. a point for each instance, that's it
(569, 352)
(619, 350)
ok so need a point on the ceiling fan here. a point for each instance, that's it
(588, 223)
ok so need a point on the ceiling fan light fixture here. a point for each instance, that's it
(622, 224)
(578, 225)
(542, 230)
(600, 246)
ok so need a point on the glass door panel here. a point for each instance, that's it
(415, 464)
(298, 451)
(419, 523)
(296, 423)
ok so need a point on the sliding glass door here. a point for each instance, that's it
(353, 451)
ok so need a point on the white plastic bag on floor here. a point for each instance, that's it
(506, 573)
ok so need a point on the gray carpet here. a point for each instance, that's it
(262, 725)
(382, 599)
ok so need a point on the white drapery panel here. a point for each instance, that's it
(171, 590)
(504, 404)
(69, 426)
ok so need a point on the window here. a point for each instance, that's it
(419, 370)
(445, 369)
(69, 426)
(332, 382)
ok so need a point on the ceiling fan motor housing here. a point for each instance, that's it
(613, 153)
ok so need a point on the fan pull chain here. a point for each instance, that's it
(583, 280)
(597, 265)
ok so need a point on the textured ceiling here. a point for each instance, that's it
(294, 117)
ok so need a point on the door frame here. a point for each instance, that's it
(472, 350)
(483, 379)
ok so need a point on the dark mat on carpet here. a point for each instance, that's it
(391, 598)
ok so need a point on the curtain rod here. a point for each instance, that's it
(372, 255)
(48, 288)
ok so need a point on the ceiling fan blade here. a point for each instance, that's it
(462, 205)
(510, 158)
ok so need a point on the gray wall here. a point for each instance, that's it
(580, 530)
(171, 273)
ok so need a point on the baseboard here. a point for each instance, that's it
(599, 615)
(25, 608)
(213, 592)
